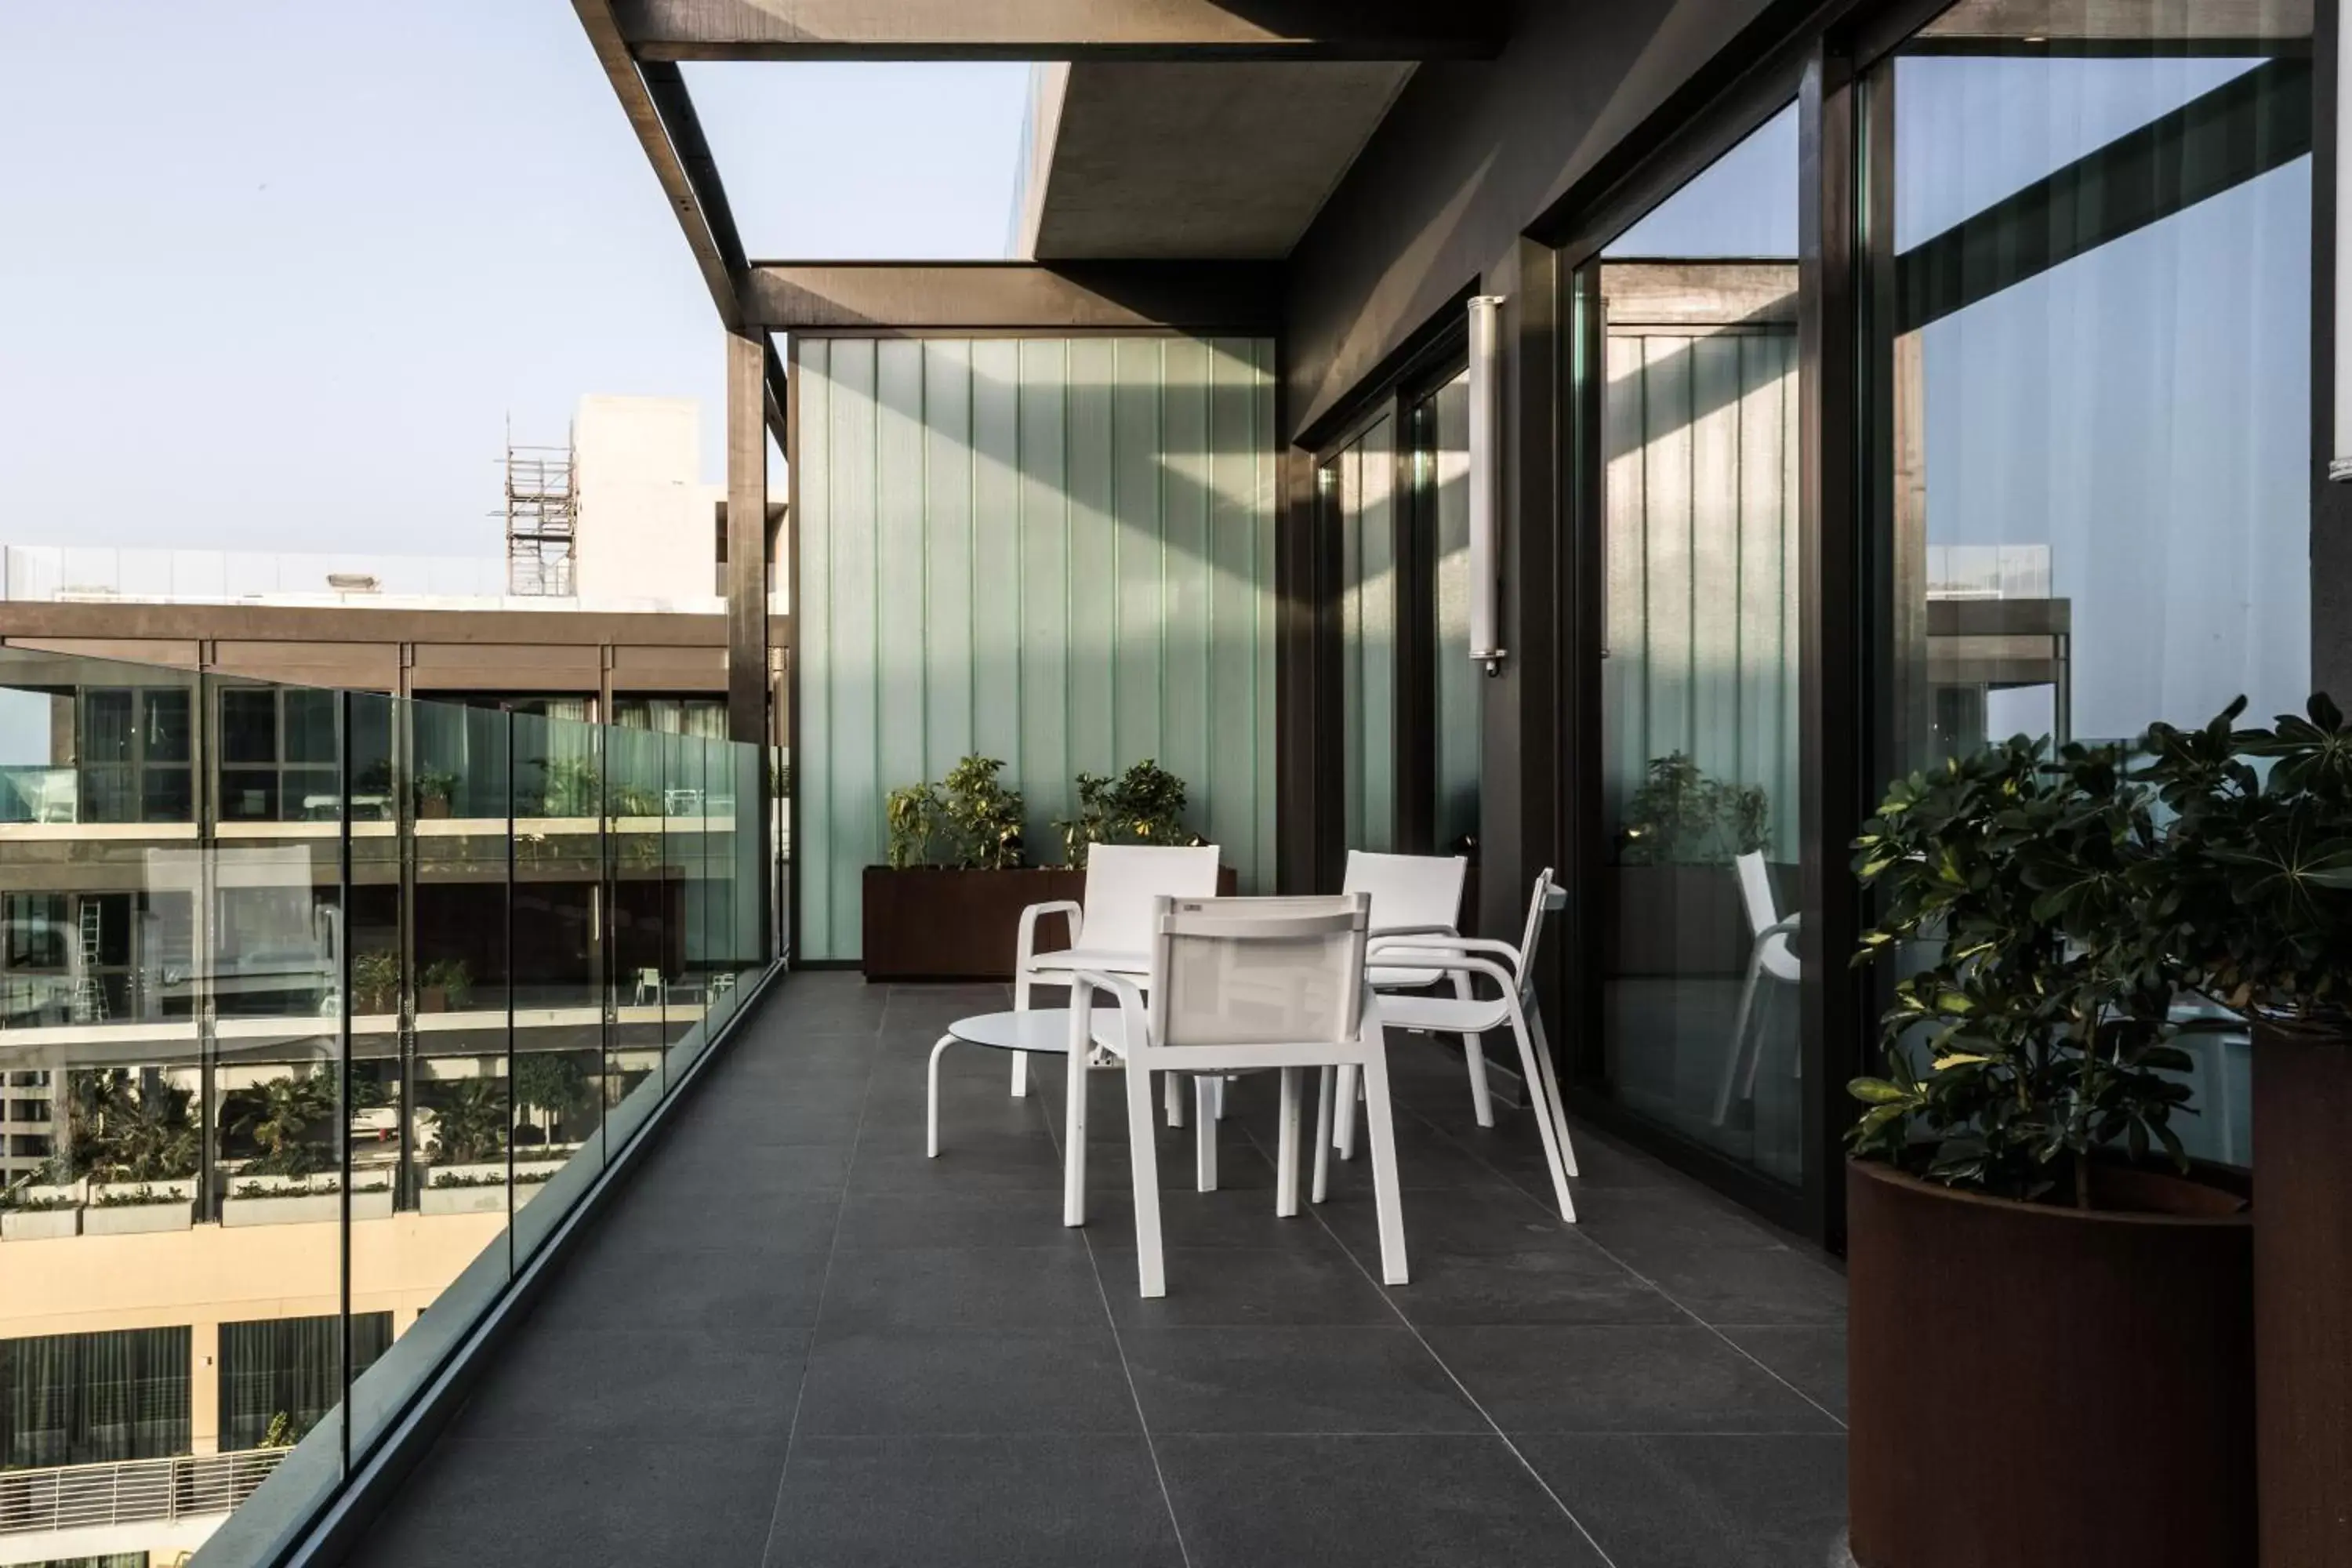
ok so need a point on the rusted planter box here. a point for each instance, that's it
(931, 923)
(2104, 1357)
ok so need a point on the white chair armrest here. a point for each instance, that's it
(1136, 1022)
(1027, 949)
(1450, 962)
(1780, 928)
(1380, 934)
(1433, 946)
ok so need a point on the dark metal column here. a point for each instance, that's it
(747, 570)
(1833, 618)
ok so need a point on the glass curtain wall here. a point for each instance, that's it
(1699, 745)
(1359, 496)
(1441, 496)
(347, 1013)
(2090, 275)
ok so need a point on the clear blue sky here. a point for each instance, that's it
(275, 271)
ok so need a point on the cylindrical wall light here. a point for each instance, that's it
(2339, 464)
(1485, 476)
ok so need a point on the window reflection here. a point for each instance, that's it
(2092, 319)
(1699, 746)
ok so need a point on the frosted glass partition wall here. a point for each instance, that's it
(1055, 552)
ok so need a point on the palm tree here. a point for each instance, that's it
(154, 1139)
(274, 1116)
(470, 1124)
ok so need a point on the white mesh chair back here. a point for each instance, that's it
(1755, 892)
(1124, 880)
(1548, 896)
(1407, 889)
(1259, 972)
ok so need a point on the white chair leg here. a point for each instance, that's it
(1217, 1095)
(1343, 1131)
(1473, 1054)
(1481, 1098)
(1021, 1058)
(1551, 1089)
(1757, 1032)
(1172, 1090)
(1074, 1130)
(1326, 1090)
(932, 1101)
(1387, 1192)
(1285, 1175)
(1732, 1059)
(1545, 1121)
(1204, 1134)
(1151, 1268)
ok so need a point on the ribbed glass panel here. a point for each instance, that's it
(1056, 552)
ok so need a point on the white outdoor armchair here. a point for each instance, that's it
(1418, 895)
(1110, 933)
(1512, 972)
(1239, 985)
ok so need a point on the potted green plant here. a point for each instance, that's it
(954, 868)
(2036, 1275)
(292, 1176)
(1675, 901)
(144, 1167)
(41, 1212)
(2253, 892)
(128, 1208)
(445, 985)
(947, 903)
(437, 791)
(375, 981)
(1144, 804)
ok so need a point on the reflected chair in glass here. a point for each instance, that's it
(1512, 971)
(1111, 932)
(1772, 954)
(1243, 985)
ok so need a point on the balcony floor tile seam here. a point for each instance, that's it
(800, 1393)
(1127, 1369)
(1460, 1387)
(1679, 1305)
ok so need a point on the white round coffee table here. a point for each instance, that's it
(1046, 1030)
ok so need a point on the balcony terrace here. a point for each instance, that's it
(794, 1339)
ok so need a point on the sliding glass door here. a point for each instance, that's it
(1358, 493)
(1393, 500)
(1698, 738)
(2091, 293)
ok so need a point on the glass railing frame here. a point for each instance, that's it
(713, 952)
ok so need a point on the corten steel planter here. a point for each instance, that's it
(2303, 1297)
(2041, 1387)
(930, 922)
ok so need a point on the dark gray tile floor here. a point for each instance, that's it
(795, 1339)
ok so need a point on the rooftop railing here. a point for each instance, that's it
(68, 574)
(132, 1491)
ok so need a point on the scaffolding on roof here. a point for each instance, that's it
(542, 513)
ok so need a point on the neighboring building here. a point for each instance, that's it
(174, 923)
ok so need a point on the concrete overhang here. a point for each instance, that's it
(1192, 159)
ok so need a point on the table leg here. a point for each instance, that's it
(932, 1101)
